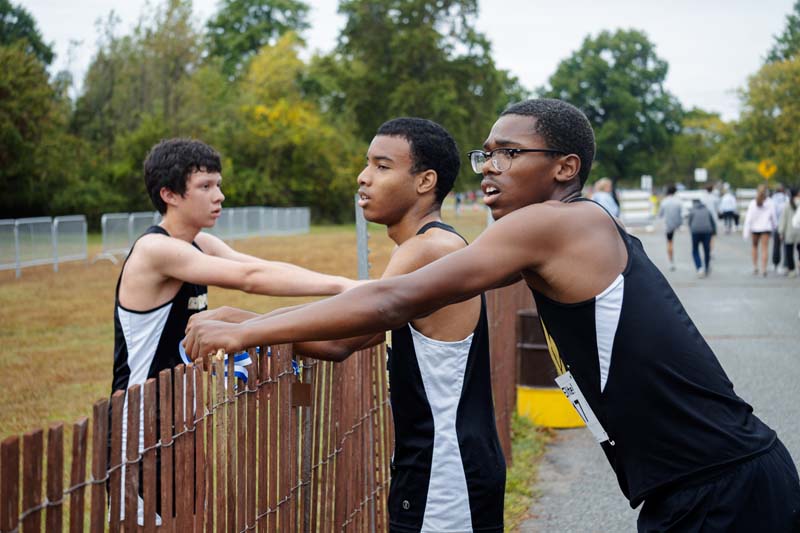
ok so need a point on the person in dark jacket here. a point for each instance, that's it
(703, 227)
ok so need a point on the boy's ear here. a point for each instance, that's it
(569, 167)
(169, 196)
(426, 181)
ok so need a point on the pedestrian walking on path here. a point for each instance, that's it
(779, 200)
(703, 227)
(672, 211)
(728, 211)
(789, 235)
(759, 223)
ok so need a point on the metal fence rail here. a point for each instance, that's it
(70, 239)
(120, 230)
(244, 222)
(27, 242)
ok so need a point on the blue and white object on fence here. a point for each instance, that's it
(241, 360)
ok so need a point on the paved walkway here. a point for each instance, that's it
(752, 325)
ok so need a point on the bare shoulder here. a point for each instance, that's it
(210, 244)
(421, 250)
(541, 225)
(152, 246)
(158, 251)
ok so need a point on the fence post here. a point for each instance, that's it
(78, 476)
(130, 459)
(115, 467)
(99, 465)
(54, 239)
(362, 238)
(33, 445)
(9, 484)
(16, 249)
(55, 477)
(130, 230)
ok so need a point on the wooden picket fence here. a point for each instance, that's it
(303, 448)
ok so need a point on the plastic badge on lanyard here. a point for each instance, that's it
(575, 397)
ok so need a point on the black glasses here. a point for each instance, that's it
(501, 157)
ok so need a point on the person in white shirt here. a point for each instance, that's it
(759, 224)
(602, 195)
(779, 199)
(728, 211)
(789, 234)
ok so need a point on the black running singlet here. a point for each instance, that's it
(146, 342)
(667, 408)
(448, 470)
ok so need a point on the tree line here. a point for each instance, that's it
(294, 131)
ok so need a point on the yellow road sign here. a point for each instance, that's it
(767, 169)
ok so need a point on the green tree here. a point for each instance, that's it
(27, 115)
(768, 126)
(241, 27)
(617, 79)
(787, 44)
(285, 151)
(413, 57)
(17, 24)
(138, 90)
(699, 139)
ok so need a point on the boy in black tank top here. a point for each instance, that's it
(164, 279)
(675, 433)
(448, 470)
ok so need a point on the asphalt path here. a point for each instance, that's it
(753, 325)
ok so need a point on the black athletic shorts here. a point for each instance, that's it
(670, 234)
(760, 494)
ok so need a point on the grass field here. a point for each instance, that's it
(57, 329)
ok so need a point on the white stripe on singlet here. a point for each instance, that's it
(442, 366)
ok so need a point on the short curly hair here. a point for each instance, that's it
(563, 126)
(432, 147)
(170, 163)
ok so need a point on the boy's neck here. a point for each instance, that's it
(178, 228)
(408, 226)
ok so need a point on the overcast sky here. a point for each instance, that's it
(712, 46)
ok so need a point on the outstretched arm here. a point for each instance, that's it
(180, 260)
(337, 350)
(516, 242)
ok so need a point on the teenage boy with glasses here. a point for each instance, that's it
(652, 391)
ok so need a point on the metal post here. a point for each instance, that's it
(131, 236)
(16, 249)
(86, 240)
(54, 239)
(362, 238)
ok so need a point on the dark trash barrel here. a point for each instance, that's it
(538, 396)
